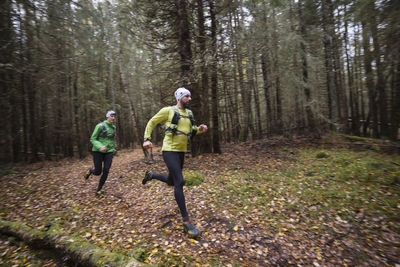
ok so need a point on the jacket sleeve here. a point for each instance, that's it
(161, 116)
(196, 128)
(93, 139)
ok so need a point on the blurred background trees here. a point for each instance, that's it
(256, 68)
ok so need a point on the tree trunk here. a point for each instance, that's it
(278, 125)
(265, 70)
(358, 81)
(234, 104)
(395, 114)
(299, 122)
(204, 141)
(124, 85)
(338, 70)
(185, 53)
(266, 86)
(329, 63)
(82, 152)
(30, 86)
(372, 112)
(244, 92)
(313, 129)
(256, 98)
(7, 94)
(382, 110)
(214, 80)
(355, 119)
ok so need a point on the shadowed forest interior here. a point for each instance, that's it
(255, 69)
(300, 164)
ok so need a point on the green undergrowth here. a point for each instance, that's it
(319, 184)
(359, 139)
(193, 178)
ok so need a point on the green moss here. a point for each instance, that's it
(3, 209)
(321, 155)
(71, 244)
(235, 167)
(254, 176)
(193, 178)
(358, 139)
(139, 254)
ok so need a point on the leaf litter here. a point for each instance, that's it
(269, 202)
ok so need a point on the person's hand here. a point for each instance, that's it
(203, 128)
(103, 148)
(147, 144)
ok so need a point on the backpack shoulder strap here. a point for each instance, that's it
(175, 118)
(191, 118)
(104, 130)
(190, 114)
(172, 129)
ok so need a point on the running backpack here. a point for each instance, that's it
(173, 127)
(103, 133)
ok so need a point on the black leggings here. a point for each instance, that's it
(98, 159)
(174, 162)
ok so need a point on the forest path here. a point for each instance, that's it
(244, 216)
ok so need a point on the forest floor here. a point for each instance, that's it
(272, 202)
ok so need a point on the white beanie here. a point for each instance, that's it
(109, 113)
(181, 92)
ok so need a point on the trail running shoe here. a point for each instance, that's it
(87, 174)
(190, 229)
(147, 176)
(100, 194)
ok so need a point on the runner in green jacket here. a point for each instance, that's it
(103, 149)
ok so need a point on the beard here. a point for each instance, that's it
(185, 105)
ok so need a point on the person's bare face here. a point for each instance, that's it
(111, 118)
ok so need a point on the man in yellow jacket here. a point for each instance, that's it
(180, 127)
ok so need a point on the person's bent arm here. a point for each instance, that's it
(147, 144)
(162, 115)
(97, 145)
(203, 128)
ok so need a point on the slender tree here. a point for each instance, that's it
(328, 30)
(203, 86)
(278, 123)
(306, 88)
(7, 93)
(214, 79)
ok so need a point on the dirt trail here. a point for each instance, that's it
(132, 216)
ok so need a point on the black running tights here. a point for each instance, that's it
(174, 161)
(98, 159)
